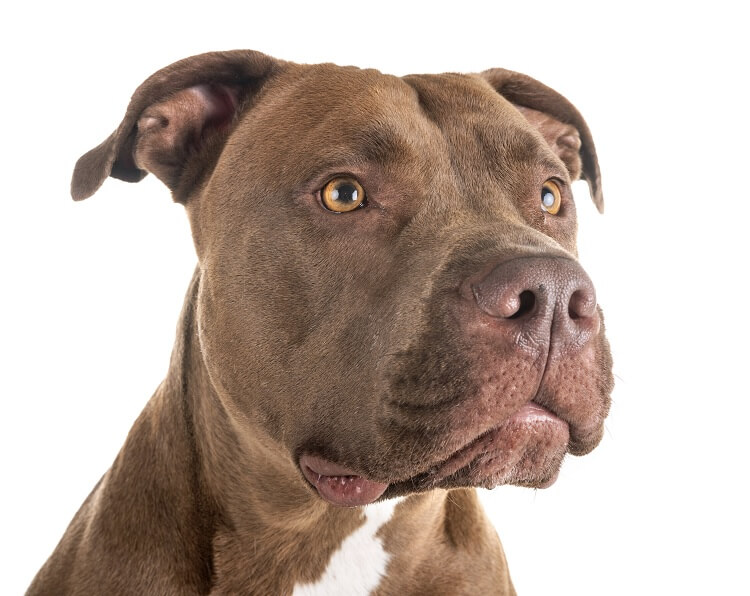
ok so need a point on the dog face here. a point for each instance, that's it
(389, 289)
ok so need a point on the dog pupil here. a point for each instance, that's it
(548, 199)
(346, 193)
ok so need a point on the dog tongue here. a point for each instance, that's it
(337, 484)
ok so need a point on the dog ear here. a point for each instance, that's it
(185, 109)
(559, 122)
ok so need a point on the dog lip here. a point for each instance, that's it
(339, 485)
(532, 412)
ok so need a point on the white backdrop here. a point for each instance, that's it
(90, 292)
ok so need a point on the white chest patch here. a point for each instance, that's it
(356, 568)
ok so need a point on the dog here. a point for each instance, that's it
(387, 312)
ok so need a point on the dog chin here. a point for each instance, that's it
(526, 450)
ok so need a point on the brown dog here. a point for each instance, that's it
(387, 312)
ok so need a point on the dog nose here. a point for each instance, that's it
(540, 299)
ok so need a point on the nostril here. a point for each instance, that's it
(582, 304)
(505, 303)
(526, 302)
(533, 292)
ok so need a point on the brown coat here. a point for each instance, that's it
(362, 338)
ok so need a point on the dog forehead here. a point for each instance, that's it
(344, 96)
(313, 119)
(348, 97)
(329, 115)
(477, 121)
(445, 96)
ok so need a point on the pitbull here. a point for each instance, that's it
(387, 312)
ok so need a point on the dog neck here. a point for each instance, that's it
(265, 532)
(194, 505)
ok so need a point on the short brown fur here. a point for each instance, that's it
(347, 336)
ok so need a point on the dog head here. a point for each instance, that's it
(389, 290)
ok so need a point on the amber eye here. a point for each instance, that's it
(343, 194)
(551, 197)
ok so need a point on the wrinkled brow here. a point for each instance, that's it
(382, 143)
(377, 142)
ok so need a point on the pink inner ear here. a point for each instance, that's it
(195, 109)
(219, 103)
(171, 130)
(562, 138)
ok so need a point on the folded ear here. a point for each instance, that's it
(557, 120)
(182, 111)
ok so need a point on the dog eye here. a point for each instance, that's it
(551, 197)
(343, 194)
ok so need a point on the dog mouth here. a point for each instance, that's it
(339, 485)
(526, 449)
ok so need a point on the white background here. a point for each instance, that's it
(90, 292)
